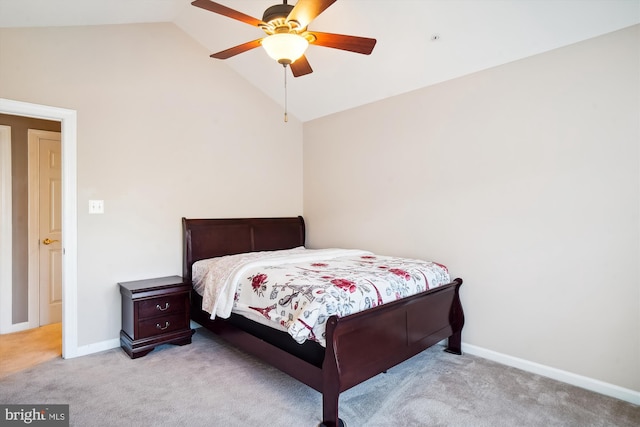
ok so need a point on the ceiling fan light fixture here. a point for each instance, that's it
(285, 47)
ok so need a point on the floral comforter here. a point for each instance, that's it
(297, 290)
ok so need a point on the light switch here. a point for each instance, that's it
(96, 206)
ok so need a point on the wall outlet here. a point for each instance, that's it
(96, 206)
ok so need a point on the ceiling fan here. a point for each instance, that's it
(287, 34)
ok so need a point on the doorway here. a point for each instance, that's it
(68, 119)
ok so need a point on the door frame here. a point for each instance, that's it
(68, 119)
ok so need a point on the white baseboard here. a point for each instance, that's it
(105, 345)
(587, 383)
(95, 348)
(16, 327)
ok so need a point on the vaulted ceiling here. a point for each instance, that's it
(420, 42)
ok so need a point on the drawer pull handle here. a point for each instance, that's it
(162, 328)
(166, 306)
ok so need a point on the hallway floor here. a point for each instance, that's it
(21, 350)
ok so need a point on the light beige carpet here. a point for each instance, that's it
(21, 350)
(209, 383)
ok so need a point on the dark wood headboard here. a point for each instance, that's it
(208, 238)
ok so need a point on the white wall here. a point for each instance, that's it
(524, 180)
(164, 132)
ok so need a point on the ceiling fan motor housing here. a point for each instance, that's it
(275, 12)
(278, 11)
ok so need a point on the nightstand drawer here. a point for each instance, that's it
(160, 306)
(161, 325)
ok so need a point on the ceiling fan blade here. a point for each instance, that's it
(233, 51)
(355, 44)
(228, 12)
(306, 11)
(301, 67)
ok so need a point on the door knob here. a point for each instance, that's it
(48, 241)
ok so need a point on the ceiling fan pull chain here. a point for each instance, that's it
(284, 67)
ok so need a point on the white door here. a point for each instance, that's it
(48, 215)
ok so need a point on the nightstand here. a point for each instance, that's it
(154, 312)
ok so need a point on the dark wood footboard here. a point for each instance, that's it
(358, 346)
(364, 344)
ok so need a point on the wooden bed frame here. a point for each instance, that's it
(358, 346)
